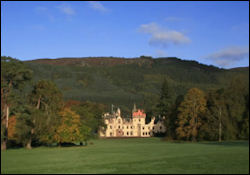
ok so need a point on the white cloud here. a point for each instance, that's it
(66, 9)
(163, 37)
(97, 6)
(229, 56)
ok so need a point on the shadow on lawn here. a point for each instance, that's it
(231, 143)
(13, 145)
(244, 143)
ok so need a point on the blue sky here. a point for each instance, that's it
(214, 33)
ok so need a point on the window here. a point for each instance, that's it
(160, 127)
(139, 120)
(119, 127)
(143, 133)
(127, 127)
(127, 133)
(146, 133)
(111, 134)
(143, 128)
(110, 127)
(119, 121)
(149, 127)
(153, 128)
(131, 127)
(131, 133)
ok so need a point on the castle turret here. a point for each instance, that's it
(119, 112)
(134, 107)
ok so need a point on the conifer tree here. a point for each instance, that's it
(14, 75)
(165, 105)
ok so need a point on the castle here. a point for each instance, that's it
(135, 127)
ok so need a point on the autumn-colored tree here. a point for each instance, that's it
(12, 128)
(190, 112)
(70, 103)
(71, 129)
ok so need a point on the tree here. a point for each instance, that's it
(12, 128)
(165, 105)
(71, 128)
(46, 96)
(47, 101)
(150, 101)
(14, 75)
(24, 126)
(245, 122)
(236, 98)
(173, 116)
(90, 116)
(215, 121)
(190, 113)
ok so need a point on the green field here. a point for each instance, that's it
(134, 155)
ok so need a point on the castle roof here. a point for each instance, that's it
(139, 113)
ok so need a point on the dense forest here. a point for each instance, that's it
(125, 81)
(48, 101)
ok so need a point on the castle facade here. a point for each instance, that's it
(134, 127)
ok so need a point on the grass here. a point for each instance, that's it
(134, 155)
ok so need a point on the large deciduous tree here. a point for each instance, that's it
(47, 101)
(14, 75)
(71, 128)
(90, 116)
(190, 113)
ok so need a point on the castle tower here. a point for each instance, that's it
(119, 112)
(112, 109)
(134, 109)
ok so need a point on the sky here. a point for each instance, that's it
(212, 33)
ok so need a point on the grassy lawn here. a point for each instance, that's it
(134, 155)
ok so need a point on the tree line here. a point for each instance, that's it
(40, 116)
(218, 114)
